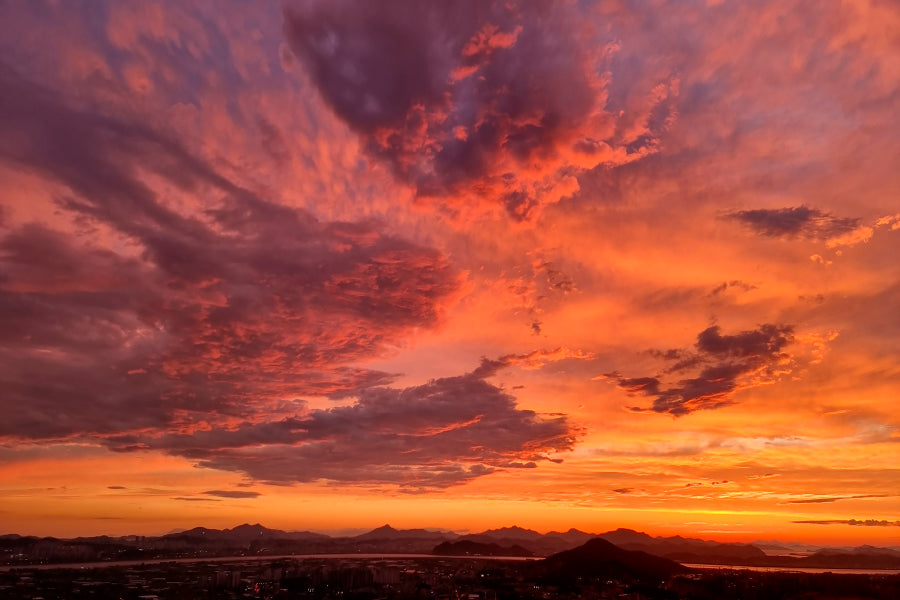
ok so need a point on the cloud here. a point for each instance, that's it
(480, 105)
(726, 285)
(531, 361)
(797, 222)
(726, 363)
(116, 487)
(814, 500)
(853, 237)
(190, 315)
(182, 297)
(435, 435)
(828, 499)
(813, 224)
(891, 221)
(232, 494)
(193, 499)
(855, 522)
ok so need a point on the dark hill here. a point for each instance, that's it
(686, 550)
(599, 558)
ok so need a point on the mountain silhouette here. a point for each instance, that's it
(470, 548)
(386, 532)
(511, 533)
(242, 534)
(622, 536)
(685, 550)
(572, 536)
(600, 558)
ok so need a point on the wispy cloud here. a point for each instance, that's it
(232, 494)
(194, 499)
(827, 499)
(854, 522)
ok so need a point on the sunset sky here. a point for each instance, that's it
(332, 264)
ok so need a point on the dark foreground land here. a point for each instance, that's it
(436, 578)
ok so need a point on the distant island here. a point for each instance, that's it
(472, 548)
(257, 540)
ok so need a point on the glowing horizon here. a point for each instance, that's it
(464, 265)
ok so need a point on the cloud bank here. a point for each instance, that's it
(435, 435)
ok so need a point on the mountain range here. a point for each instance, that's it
(508, 541)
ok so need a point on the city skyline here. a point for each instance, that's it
(327, 265)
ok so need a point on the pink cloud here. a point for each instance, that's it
(218, 310)
(190, 315)
(504, 113)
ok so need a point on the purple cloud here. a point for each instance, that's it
(435, 435)
(725, 363)
(795, 222)
(501, 103)
(214, 313)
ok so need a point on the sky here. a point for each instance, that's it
(331, 264)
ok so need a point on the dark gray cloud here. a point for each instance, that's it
(727, 285)
(443, 433)
(725, 363)
(194, 499)
(795, 222)
(232, 494)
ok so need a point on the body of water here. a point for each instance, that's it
(797, 570)
(227, 559)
